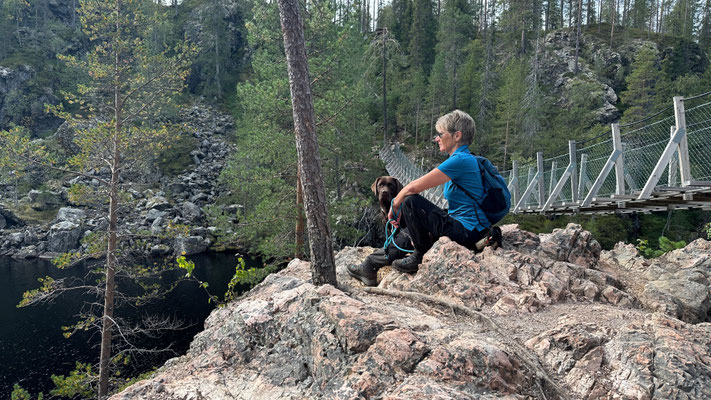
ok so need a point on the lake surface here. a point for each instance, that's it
(32, 346)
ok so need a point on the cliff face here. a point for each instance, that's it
(546, 316)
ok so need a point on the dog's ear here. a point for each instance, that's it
(398, 186)
(374, 188)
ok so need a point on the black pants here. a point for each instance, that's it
(382, 257)
(426, 223)
(422, 224)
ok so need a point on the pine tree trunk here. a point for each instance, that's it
(216, 36)
(506, 144)
(107, 319)
(577, 36)
(612, 21)
(323, 270)
(383, 33)
(299, 231)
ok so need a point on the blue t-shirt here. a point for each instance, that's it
(463, 169)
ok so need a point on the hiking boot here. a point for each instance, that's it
(495, 238)
(409, 264)
(364, 273)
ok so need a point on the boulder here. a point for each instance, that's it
(64, 136)
(663, 358)
(64, 237)
(677, 283)
(8, 219)
(159, 203)
(154, 214)
(190, 245)
(74, 215)
(160, 250)
(551, 324)
(45, 200)
(190, 212)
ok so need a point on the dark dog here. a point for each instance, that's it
(385, 189)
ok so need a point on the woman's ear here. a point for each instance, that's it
(458, 136)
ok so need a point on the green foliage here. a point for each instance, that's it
(243, 279)
(262, 172)
(639, 96)
(225, 223)
(79, 383)
(665, 246)
(19, 393)
(707, 231)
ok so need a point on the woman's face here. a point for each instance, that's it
(446, 141)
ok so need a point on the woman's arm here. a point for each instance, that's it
(427, 181)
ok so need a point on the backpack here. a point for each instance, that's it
(497, 198)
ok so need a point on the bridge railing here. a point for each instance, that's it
(672, 150)
(698, 132)
(667, 151)
(400, 167)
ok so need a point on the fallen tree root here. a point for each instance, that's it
(526, 356)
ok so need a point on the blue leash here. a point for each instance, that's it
(390, 237)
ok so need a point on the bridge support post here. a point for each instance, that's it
(611, 161)
(572, 149)
(673, 166)
(541, 186)
(513, 182)
(584, 180)
(620, 162)
(676, 142)
(533, 179)
(569, 173)
(554, 179)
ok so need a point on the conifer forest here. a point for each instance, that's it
(130, 82)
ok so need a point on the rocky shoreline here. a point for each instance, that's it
(547, 316)
(156, 203)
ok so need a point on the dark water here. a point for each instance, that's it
(32, 347)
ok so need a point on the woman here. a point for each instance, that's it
(465, 223)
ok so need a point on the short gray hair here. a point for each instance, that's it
(460, 121)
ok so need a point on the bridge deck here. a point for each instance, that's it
(660, 200)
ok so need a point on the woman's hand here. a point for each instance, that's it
(427, 181)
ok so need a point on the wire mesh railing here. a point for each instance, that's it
(400, 167)
(698, 133)
(626, 163)
(642, 149)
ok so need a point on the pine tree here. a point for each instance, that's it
(127, 82)
(508, 110)
(422, 36)
(680, 21)
(323, 268)
(533, 102)
(704, 34)
(640, 14)
(455, 31)
(639, 96)
(262, 173)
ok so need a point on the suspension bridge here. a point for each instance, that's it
(662, 162)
